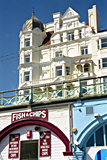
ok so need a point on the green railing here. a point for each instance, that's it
(40, 93)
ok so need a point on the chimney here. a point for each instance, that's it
(93, 17)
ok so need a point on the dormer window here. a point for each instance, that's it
(27, 42)
(70, 36)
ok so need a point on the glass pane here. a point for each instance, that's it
(86, 51)
(104, 60)
(72, 36)
(29, 150)
(104, 45)
(90, 141)
(82, 52)
(61, 37)
(26, 76)
(27, 41)
(69, 37)
(99, 137)
(27, 58)
(103, 40)
(104, 65)
(59, 71)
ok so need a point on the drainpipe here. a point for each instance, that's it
(71, 125)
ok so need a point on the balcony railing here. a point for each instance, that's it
(48, 92)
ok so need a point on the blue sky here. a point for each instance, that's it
(13, 14)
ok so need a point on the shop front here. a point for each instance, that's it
(30, 136)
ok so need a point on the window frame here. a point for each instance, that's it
(84, 50)
(61, 37)
(58, 69)
(67, 70)
(103, 43)
(27, 75)
(27, 42)
(104, 63)
(58, 54)
(80, 34)
(27, 57)
(31, 141)
(70, 36)
(104, 126)
(86, 66)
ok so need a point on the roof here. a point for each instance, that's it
(47, 40)
(33, 23)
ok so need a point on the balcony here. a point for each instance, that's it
(69, 89)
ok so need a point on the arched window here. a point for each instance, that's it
(98, 138)
(86, 67)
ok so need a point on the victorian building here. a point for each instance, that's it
(63, 64)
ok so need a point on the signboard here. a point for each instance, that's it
(14, 146)
(96, 153)
(45, 144)
(40, 114)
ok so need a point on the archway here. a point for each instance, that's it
(46, 124)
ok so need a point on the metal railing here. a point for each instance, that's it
(49, 92)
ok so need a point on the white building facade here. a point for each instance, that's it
(51, 55)
(62, 50)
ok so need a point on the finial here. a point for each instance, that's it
(33, 12)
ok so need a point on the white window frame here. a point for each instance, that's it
(104, 43)
(58, 69)
(27, 57)
(70, 36)
(27, 42)
(59, 54)
(104, 63)
(27, 75)
(84, 50)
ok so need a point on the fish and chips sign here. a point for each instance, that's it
(40, 114)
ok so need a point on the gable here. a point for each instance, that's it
(70, 13)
